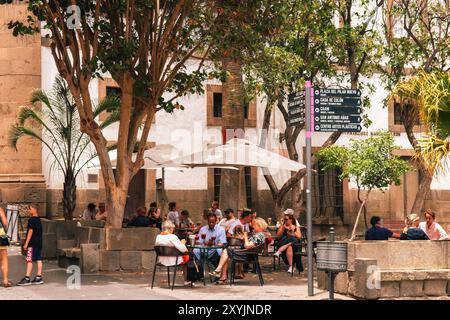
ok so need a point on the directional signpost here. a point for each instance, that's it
(337, 110)
(296, 109)
(322, 110)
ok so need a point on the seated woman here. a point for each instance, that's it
(154, 215)
(433, 230)
(167, 239)
(258, 238)
(289, 233)
(412, 230)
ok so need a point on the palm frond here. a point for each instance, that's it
(18, 131)
(112, 118)
(40, 96)
(110, 104)
(433, 152)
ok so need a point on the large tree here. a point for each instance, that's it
(144, 45)
(242, 27)
(416, 37)
(312, 45)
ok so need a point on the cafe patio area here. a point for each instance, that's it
(59, 284)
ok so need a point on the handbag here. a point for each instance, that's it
(4, 240)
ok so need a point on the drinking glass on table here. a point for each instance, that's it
(203, 235)
(213, 240)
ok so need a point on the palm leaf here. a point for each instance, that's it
(109, 103)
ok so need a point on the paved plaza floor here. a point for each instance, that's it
(123, 285)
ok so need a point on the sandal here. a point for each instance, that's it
(7, 284)
(215, 274)
(221, 282)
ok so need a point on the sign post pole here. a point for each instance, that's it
(309, 130)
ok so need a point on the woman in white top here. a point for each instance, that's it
(433, 229)
(167, 239)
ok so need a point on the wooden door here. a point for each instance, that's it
(136, 194)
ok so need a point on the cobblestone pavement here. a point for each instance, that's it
(122, 285)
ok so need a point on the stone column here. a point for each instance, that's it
(21, 179)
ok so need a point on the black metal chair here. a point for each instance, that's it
(164, 251)
(234, 242)
(250, 256)
(299, 249)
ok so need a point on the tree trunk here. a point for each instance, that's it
(424, 188)
(409, 118)
(116, 200)
(232, 187)
(69, 195)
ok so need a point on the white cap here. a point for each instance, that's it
(288, 212)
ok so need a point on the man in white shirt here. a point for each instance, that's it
(228, 219)
(244, 220)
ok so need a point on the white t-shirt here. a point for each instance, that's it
(435, 232)
(174, 217)
(237, 222)
(224, 223)
(218, 214)
(170, 240)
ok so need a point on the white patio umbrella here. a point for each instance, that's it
(157, 157)
(237, 153)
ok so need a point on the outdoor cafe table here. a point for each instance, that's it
(204, 250)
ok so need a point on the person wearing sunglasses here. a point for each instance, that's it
(288, 234)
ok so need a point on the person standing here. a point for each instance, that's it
(33, 247)
(173, 214)
(215, 209)
(4, 249)
(433, 230)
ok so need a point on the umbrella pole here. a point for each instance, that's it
(163, 190)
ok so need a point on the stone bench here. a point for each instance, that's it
(390, 269)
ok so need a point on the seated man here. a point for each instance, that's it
(212, 234)
(141, 220)
(244, 221)
(185, 221)
(377, 232)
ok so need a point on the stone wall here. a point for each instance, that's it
(21, 180)
(392, 269)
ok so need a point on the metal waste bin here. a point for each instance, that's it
(332, 256)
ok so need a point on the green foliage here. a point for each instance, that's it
(53, 120)
(370, 162)
(431, 91)
(119, 53)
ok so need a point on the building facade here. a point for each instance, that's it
(25, 175)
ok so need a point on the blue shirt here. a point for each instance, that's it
(218, 232)
(414, 234)
(378, 233)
